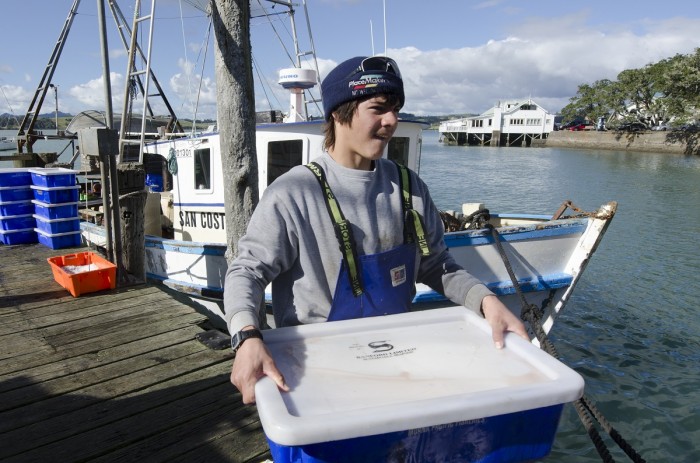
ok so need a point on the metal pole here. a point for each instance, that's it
(55, 96)
(105, 158)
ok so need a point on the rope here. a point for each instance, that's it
(474, 221)
(585, 409)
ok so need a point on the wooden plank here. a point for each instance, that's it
(90, 360)
(47, 405)
(74, 428)
(97, 344)
(112, 376)
(68, 309)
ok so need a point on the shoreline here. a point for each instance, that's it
(680, 143)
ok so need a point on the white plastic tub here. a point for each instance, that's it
(426, 384)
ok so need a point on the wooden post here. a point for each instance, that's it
(131, 212)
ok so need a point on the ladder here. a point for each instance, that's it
(26, 128)
(125, 33)
(133, 75)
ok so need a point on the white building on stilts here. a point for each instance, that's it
(511, 123)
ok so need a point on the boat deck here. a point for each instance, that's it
(112, 376)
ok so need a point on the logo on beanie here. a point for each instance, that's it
(368, 81)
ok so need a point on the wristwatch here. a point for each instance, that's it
(238, 338)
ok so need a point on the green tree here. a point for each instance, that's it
(668, 89)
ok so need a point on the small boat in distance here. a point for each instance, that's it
(7, 144)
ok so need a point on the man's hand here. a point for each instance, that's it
(252, 362)
(501, 320)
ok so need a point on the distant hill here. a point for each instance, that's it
(53, 115)
(47, 120)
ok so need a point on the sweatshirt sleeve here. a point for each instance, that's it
(264, 252)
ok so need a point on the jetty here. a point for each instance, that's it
(115, 375)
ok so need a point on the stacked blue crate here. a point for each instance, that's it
(56, 207)
(16, 220)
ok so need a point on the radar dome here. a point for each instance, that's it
(297, 78)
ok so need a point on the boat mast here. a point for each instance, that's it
(25, 132)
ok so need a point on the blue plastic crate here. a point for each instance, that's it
(154, 182)
(15, 193)
(56, 225)
(56, 195)
(16, 208)
(55, 211)
(17, 222)
(25, 236)
(53, 176)
(59, 240)
(15, 176)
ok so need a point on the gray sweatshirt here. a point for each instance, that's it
(290, 242)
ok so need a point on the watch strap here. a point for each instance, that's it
(238, 338)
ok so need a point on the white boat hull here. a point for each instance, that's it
(547, 257)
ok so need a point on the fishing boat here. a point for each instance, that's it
(527, 259)
(547, 254)
(7, 144)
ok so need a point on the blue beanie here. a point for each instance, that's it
(349, 82)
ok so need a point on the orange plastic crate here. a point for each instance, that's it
(89, 281)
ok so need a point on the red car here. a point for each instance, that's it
(577, 127)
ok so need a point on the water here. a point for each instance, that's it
(631, 328)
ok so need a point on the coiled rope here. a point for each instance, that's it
(585, 409)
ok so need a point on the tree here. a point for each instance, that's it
(593, 101)
(681, 85)
(668, 89)
(236, 116)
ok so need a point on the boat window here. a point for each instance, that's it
(398, 149)
(282, 156)
(202, 169)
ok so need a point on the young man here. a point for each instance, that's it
(337, 239)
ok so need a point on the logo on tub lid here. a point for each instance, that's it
(379, 350)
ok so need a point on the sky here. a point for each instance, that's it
(456, 56)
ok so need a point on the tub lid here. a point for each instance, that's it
(52, 171)
(54, 188)
(385, 374)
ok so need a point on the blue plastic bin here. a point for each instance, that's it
(17, 222)
(53, 176)
(25, 236)
(55, 211)
(55, 195)
(52, 226)
(391, 392)
(16, 208)
(59, 240)
(15, 193)
(154, 182)
(15, 176)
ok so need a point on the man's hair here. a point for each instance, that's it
(345, 112)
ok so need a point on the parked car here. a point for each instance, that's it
(690, 127)
(577, 127)
(661, 127)
(568, 125)
(635, 126)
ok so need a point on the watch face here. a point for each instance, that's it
(241, 336)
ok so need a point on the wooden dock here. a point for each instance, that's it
(112, 376)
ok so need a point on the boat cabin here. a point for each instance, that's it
(194, 196)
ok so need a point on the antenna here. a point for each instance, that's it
(371, 35)
(384, 4)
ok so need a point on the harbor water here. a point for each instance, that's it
(632, 327)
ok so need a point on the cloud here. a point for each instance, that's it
(545, 60)
(191, 93)
(90, 95)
